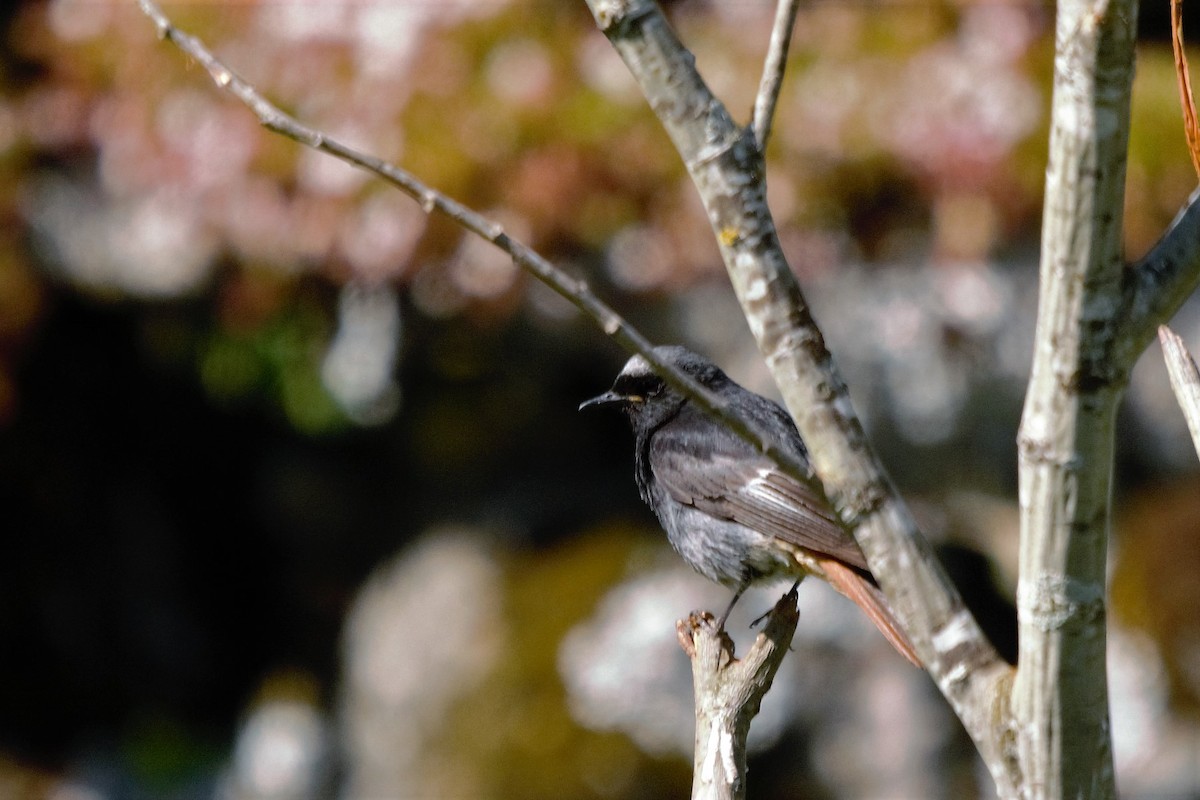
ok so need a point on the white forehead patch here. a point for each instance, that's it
(636, 366)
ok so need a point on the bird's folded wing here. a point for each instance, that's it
(723, 476)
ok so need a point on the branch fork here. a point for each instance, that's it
(729, 691)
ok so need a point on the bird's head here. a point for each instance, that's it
(645, 396)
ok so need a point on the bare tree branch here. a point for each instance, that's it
(726, 165)
(574, 290)
(1160, 282)
(1185, 379)
(773, 70)
(728, 693)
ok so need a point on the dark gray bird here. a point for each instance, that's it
(732, 514)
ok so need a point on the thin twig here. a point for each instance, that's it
(1185, 379)
(574, 290)
(773, 69)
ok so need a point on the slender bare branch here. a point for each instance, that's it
(773, 70)
(1185, 379)
(574, 290)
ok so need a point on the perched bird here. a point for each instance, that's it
(730, 511)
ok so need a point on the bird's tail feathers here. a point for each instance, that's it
(867, 596)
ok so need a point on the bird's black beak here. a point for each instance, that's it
(608, 398)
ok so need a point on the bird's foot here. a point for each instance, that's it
(707, 620)
(789, 593)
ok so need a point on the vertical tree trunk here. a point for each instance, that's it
(1060, 697)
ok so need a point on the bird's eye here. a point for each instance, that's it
(650, 386)
(640, 386)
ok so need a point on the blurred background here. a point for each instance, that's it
(294, 498)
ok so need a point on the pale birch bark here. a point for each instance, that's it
(1065, 445)
(728, 693)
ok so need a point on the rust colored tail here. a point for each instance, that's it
(870, 599)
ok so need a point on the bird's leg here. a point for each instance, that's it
(792, 590)
(737, 593)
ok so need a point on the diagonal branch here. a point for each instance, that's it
(726, 166)
(773, 69)
(1161, 281)
(572, 289)
(1170, 272)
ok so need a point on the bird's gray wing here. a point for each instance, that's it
(722, 475)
